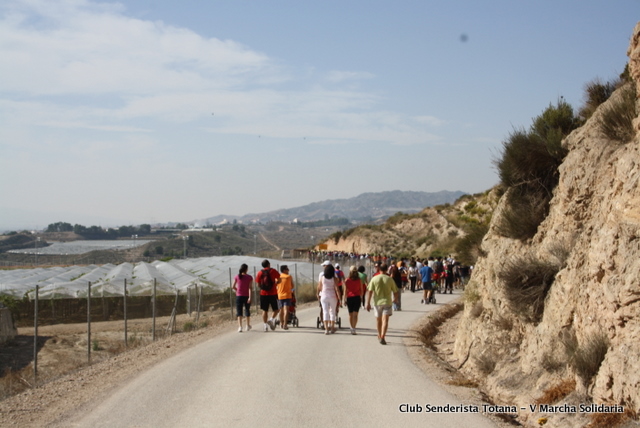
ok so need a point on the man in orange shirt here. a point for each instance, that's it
(285, 295)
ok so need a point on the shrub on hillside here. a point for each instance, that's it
(468, 248)
(529, 166)
(617, 119)
(596, 93)
(523, 213)
(590, 355)
(586, 357)
(527, 281)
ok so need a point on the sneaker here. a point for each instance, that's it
(353, 331)
(239, 329)
(266, 327)
(285, 327)
(248, 327)
(272, 324)
(326, 332)
(421, 301)
(383, 342)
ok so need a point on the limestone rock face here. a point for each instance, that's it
(634, 64)
(593, 234)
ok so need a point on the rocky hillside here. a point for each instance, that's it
(555, 319)
(441, 229)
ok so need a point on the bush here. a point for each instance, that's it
(523, 213)
(486, 362)
(617, 119)
(468, 248)
(596, 93)
(529, 166)
(471, 295)
(527, 281)
(589, 356)
(188, 326)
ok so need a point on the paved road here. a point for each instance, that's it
(298, 377)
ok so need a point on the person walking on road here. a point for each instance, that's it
(426, 274)
(329, 299)
(382, 289)
(363, 278)
(285, 295)
(355, 294)
(242, 286)
(267, 279)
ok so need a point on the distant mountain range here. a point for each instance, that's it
(367, 206)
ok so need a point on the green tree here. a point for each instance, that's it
(60, 227)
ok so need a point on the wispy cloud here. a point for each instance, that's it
(76, 66)
(342, 76)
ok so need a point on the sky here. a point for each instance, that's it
(140, 111)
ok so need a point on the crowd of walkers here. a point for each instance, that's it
(382, 293)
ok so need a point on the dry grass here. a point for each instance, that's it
(617, 119)
(460, 380)
(14, 382)
(557, 392)
(471, 294)
(589, 356)
(550, 363)
(526, 209)
(486, 362)
(527, 281)
(586, 357)
(611, 419)
(503, 323)
(430, 330)
(306, 293)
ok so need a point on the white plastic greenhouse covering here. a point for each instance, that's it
(211, 274)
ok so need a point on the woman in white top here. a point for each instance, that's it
(329, 299)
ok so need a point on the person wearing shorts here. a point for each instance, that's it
(426, 276)
(242, 287)
(355, 292)
(285, 295)
(382, 289)
(269, 298)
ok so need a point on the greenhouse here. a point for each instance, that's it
(209, 274)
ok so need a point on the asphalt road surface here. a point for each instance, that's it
(298, 377)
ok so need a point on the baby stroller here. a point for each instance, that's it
(291, 317)
(436, 287)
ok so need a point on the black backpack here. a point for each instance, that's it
(266, 282)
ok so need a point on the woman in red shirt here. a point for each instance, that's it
(355, 295)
